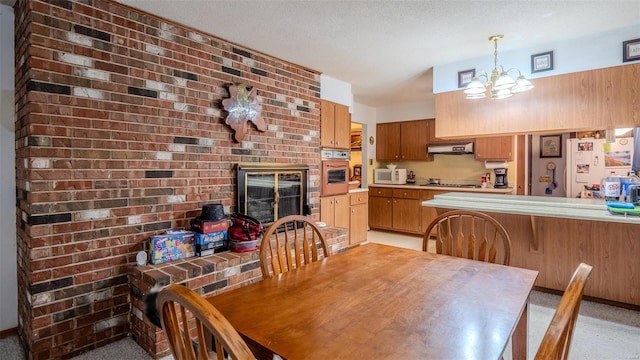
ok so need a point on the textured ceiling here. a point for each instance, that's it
(387, 49)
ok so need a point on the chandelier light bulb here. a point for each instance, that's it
(500, 85)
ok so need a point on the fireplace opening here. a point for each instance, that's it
(269, 192)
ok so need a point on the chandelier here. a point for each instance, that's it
(500, 84)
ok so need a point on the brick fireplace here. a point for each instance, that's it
(120, 135)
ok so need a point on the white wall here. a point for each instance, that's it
(336, 90)
(586, 53)
(8, 275)
(411, 111)
(366, 115)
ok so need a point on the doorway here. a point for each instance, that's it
(355, 162)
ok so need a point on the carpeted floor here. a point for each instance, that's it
(603, 332)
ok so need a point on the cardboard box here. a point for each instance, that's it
(207, 227)
(169, 247)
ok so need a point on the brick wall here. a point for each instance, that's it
(207, 276)
(120, 134)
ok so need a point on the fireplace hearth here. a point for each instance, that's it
(269, 192)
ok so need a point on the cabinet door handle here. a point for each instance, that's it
(353, 211)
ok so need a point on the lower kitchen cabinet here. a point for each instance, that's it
(380, 208)
(334, 210)
(358, 219)
(400, 209)
(406, 210)
(395, 209)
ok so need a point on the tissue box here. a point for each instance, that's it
(172, 246)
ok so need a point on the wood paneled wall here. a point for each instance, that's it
(593, 99)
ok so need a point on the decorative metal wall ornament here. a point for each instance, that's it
(243, 106)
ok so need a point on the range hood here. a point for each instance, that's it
(451, 149)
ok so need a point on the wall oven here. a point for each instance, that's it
(335, 172)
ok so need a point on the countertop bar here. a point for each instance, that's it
(568, 208)
(489, 190)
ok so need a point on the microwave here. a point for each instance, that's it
(388, 176)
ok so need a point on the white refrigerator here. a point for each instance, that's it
(590, 160)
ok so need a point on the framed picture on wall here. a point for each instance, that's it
(465, 77)
(631, 50)
(542, 62)
(551, 146)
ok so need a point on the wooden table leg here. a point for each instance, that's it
(519, 338)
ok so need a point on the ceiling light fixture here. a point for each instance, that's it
(500, 84)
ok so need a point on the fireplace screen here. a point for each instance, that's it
(270, 192)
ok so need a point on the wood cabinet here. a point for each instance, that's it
(402, 141)
(335, 125)
(494, 148)
(400, 209)
(431, 125)
(358, 219)
(593, 99)
(394, 209)
(349, 211)
(334, 210)
(406, 210)
(380, 208)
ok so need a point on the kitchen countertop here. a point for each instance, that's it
(447, 188)
(568, 208)
(358, 190)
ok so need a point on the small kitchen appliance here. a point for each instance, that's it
(501, 178)
(411, 177)
(388, 176)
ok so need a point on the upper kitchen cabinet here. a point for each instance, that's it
(335, 125)
(494, 148)
(431, 124)
(402, 141)
(594, 99)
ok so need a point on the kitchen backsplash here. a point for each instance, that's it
(455, 168)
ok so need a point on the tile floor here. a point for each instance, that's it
(602, 331)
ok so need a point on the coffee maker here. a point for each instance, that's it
(501, 178)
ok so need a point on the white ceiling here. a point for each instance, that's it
(387, 49)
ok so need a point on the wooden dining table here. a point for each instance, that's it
(383, 302)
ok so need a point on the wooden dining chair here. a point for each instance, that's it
(181, 307)
(557, 340)
(289, 243)
(470, 234)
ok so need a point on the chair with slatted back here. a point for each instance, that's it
(180, 307)
(470, 234)
(557, 340)
(289, 243)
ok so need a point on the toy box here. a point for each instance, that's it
(211, 237)
(172, 246)
(211, 248)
